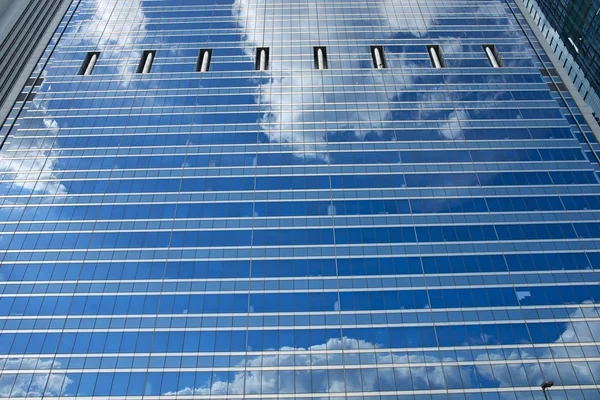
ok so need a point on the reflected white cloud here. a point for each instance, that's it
(438, 375)
(37, 175)
(114, 23)
(330, 381)
(451, 129)
(563, 374)
(301, 381)
(33, 385)
(116, 26)
(304, 105)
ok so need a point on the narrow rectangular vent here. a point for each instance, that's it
(89, 63)
(493, 55)
(145, 64)
(436, 57)
(262, 59)
(320, 55)
(203, 62)
(378, 57)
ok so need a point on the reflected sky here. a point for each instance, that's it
(320, 372)
(444, 372)
(113, 25)
(28, 385)
(101, 25)
(34, 175)
(305, 106)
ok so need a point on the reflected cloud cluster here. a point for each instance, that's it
(38, 385)
(304, 105)
(379, 370)
(118, 25)
(417, 377)
(45, 180)
(115, 23)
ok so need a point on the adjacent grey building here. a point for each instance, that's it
(572, 29)
(25, 29)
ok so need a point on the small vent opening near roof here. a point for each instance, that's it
(493, 55)
(378, 57)
(262, 59)
(146, 62)
(203, 63)
(89, 63)
(435, 55)
(320, 54)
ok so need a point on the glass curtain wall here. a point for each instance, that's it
(227, 199)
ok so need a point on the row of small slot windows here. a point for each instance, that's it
(262, 59)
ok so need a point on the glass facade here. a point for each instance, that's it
(396, 200)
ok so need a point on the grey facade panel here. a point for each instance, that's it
(26, 28)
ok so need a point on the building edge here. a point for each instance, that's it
(27, 31)
(587, 89)
(583, 106)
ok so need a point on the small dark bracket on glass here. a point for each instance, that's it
(203, 62)
(320, 57)
(378, 57)
(435, 56)
(34, 82)
(557, 87)
(493, 56)
(146, 62)
(89, 63)
(26, 96)
(262, 59)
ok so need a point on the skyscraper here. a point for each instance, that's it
(229, 199)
